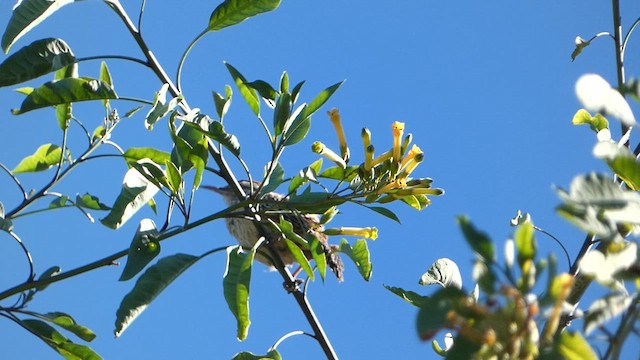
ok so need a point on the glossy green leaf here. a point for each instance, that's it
(320, 99)
(136, 191)
(266, 91)
(281, 113)
(309, 173)
(32, 61)
(105, 77)
(174, 178)
(26, 15)
(276, 178)
(297, 132)
(133, 155)
(284, 82)
(338, 173)
(148, 286)
(59, 342)
(160, 107)
(296, 91)
(444, 272)
(199, 157)
(359, 254)
(385, 212)
(318, 254)
(222, 102)
(236, 283)
(50, 272)
(45, 157)
(63, 115)
(297, 253)
(411, 297)
(433, 313)
(479, 241)
(65, 91)
(66, 322)
(249, 95)
(142, 250)
(232, 12)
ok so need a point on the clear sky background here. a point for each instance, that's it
(486, 89)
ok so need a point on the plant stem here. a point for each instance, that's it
(624, 329)
(618, 40)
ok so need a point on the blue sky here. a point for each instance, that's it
(486, 89)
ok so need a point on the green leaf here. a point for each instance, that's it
(142, 250)
(32, 61)
(296, 91)
(572, 346)
(284, 82)
(359, 254)
(66, 322)
(433, 313)
(297, 132)
(65, 91)
(271, 355)
(525, 243)
(230, 142)
(199, 157)
(297, 253)
(276, 178)
(317, 252)
(338, 173)
(133, 155)
(26, 15)
(160, 107)
(89, 201)
(232, 12)
(249, 95)
(130, 113)
(59, 342)
(444, 272)
(604, 309)
(320, 99)
(628, 169)
(385, 212)
(174, 178)
(105, 77)
(222, 102)
(281, 113)
(411, 297)
(45, 157)
(305, 175)
(136, 191)
(63, 115)
(463, 348)
(50, 272)
(266, 91)
(479, 241)
(236, 283)
(150, 284)
(580, 45)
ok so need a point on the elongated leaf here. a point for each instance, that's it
(266, 91)
(281, 113)
(65, 91)
(411, 297)
(105, 77)
(222, 102)
(136, 191)
(276, 178)
(271, 355)
(249, 95)
(160, 107)
(26, 15)
(444, 272)
(34, 60)
(479, 241)
(229, 141)
(300, 258)
(297, 132)
(59, 342)
(232, 12)
(385, 212)
(45, 157)
(89, 201)
(320, 99)
(359, 254)
(142, 250)
(150, 284)
(525, 243)
(133, 155)
(628, 169)
(317, 252)
(236, 284)
(66, 322)
(572, 346)
(604, 309)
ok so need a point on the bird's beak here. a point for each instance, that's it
(212, 188)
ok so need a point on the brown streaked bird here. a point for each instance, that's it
(247, 234)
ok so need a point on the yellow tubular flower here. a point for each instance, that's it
(398, 130)
(411, 165)
(419, 191)
(405, 144)
(319, 148)
(334, 115)
(367, 232)
(399, 183)
(382, 158)
(415, 150)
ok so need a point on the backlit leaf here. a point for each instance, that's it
(45, 157)
(39, 58)
(232, 12)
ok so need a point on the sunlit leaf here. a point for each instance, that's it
(26, 15)
(266, 91)
(271, 355)
(596, 95)
(411, 297)
(444, 272)
(572, 346)
(65, 91)
(150, 284)
(59, 342)
(249, 95)
(89, 201)
(385, 212)
(229, 141)
(525, 243)
(133, 155)
(34, 60)
(276, 178)
(281, 113)
(580, 45)
(232, 12)
(105, 76)
(45, 157)
(63, 115)
(160, 107)
(320, 99)
(297, 132)
(66, 322)
(604, 309)
(236, 283)
(297, 253)
(222, 102)
(130, 113)
(359, 254)
(136, 190)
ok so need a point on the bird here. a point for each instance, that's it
(245, 231)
